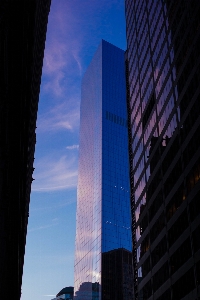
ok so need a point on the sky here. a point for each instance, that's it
(75, 29)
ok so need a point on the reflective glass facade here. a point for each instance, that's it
(163, 58)
(103, 207)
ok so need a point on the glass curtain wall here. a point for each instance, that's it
(103, 236)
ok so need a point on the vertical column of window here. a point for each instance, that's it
(162, 81)
(141, 182)
(171, 62)
(141, 191)
(134, 85)
(149, 118)
(149, 122)
(164, 87)
(152, 10)
(139, 155)
(152, 131)
(171, 116)
(137, 125)
(164, 110)
(129, 16)
(146, 70)
(131, 191)
(139, 171)
(148, 90)
(137, 102)
(130, 100)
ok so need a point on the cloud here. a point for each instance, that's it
(61, 117)
(62, 66)
(55, 207)
(53, 174)
(49, 295)
(72, 147)
(41, 227)
(62, 61)
(54, 59)
(71, 35)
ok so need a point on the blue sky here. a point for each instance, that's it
(75, 30)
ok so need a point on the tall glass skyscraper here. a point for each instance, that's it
(163, 58)
(103, 258)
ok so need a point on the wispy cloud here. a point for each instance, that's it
(63, 116)
(54, 207)
(72, 147)
(55, 174)
(62, 62)
(62, 65)
(55, 220)
(41, 227)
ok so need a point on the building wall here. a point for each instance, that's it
(23, 27)
(89, 206)
(163, 70)
(103, 208)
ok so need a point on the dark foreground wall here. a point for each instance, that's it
(23, 27)
(163, 53)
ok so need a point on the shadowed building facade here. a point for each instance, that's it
(117, 280)
(66, 293)
(163, 70)
(23, 26)
(103, 209)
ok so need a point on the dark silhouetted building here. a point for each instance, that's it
(23, 26)
(66, 293)
(163, 70)
(103, 206)
(117, 281)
